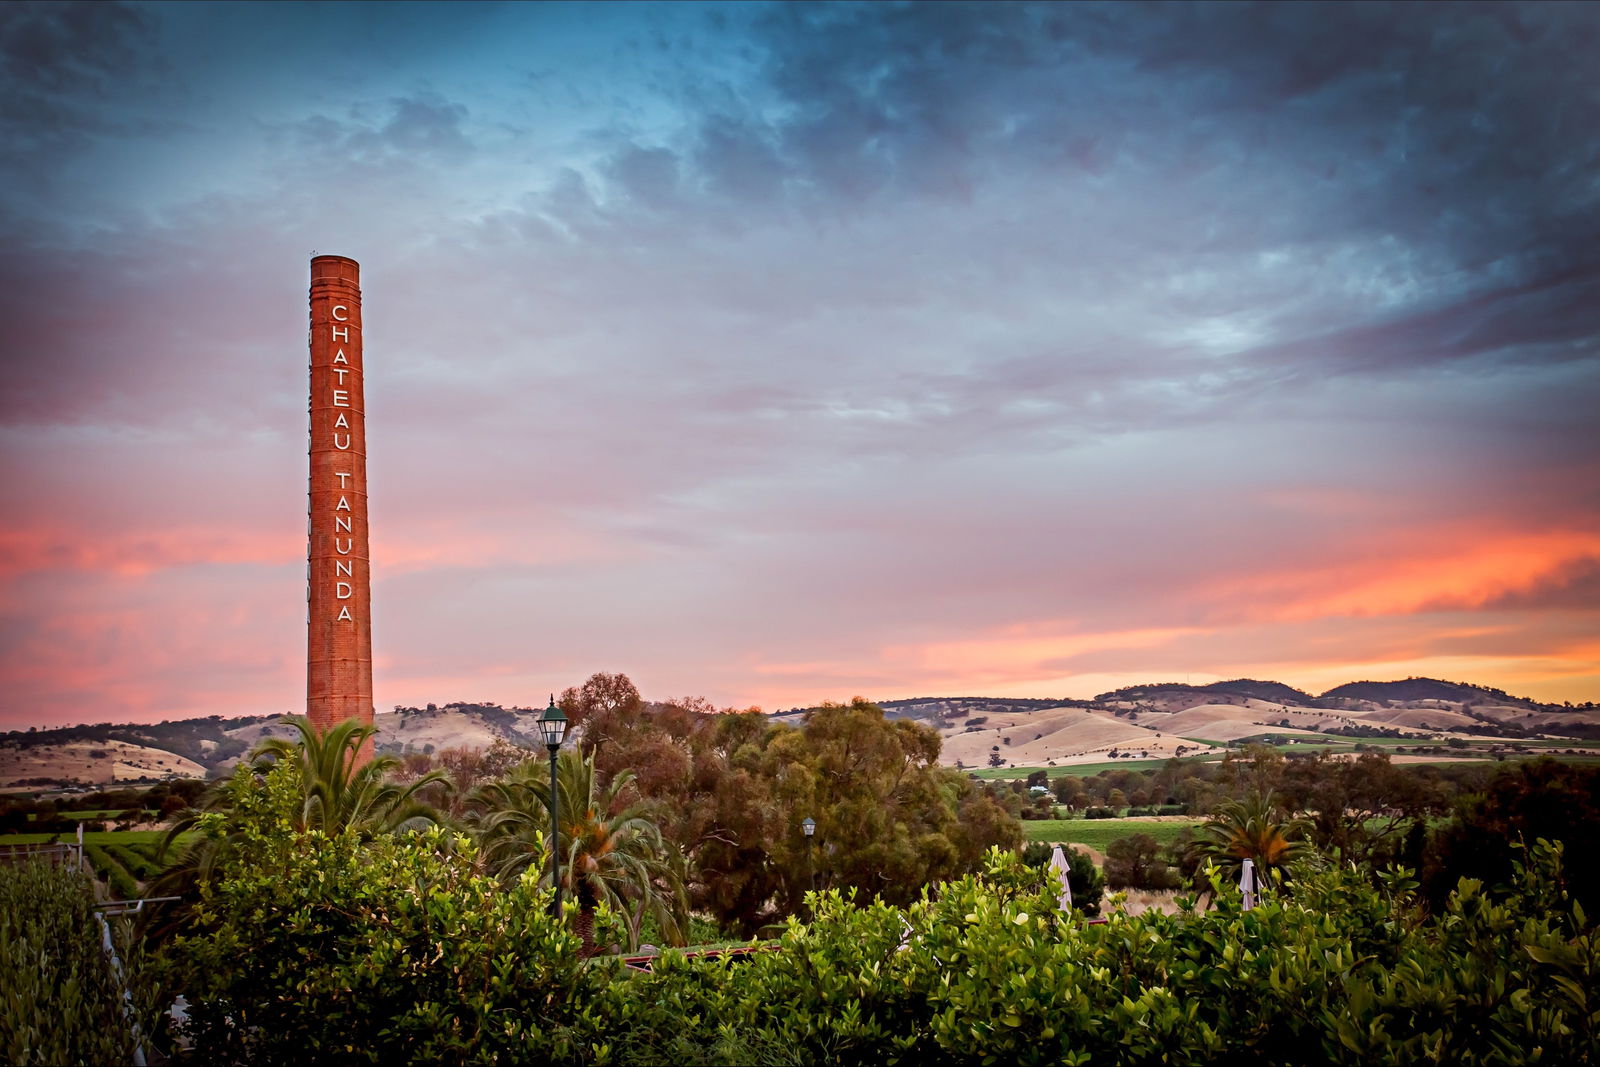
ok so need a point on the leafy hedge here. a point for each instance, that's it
(331, 949)
(992, 973)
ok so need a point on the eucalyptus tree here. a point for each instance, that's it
(730, 792)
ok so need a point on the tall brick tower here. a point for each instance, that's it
(338, 576)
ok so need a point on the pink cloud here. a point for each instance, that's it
(1419, 569)
(127, 555)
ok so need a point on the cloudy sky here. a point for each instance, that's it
(791, 352)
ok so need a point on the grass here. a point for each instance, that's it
(717, 946)
(1476, 748)
(1087, 770)
(1341, 743)
(90, 837)
(105, 813)
(1099, 833)
(1391, 742)
(1004, 774)
(1589, 747)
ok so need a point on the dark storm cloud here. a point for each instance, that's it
(1550, 319)
(740, 160)
(415, 130)
(648, 175)
(1459, 107)
(1461, 137)
(60, 63)
(82, 304)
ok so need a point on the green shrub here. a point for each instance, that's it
(150, 850)
(59, 1000)
(327, 948)
(1497, 982)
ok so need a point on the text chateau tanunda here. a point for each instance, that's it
(338, 567)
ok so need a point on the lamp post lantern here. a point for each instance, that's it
(553, 727)
(809, 827)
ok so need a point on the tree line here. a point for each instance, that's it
(405, 907)
(668, 810)
(1442, 821)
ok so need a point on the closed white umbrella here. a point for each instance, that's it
(1058, 864)
(1247, 884)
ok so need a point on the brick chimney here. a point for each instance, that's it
(338, 576)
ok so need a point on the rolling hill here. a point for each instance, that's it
(1156, 720)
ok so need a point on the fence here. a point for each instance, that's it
(59, 853)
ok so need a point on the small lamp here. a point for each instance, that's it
(553, 725)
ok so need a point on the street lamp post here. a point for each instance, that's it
(809, 826)
(553, 727)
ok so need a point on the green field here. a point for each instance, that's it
(1006, 774)
(1099, 833)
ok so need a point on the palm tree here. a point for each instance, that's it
(336, 792)
(512, 823)
(1250, 829)
(610, 851)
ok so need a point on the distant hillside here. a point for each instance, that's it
(986, 702)
(956, 707)
(1244, 688)
(1275, 691)
(1404, 691)
(204, 741)
(1154, 720)
(1414, 689)
(1148, 691)
(945, 711)
(103, 753)
(1176, 718)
